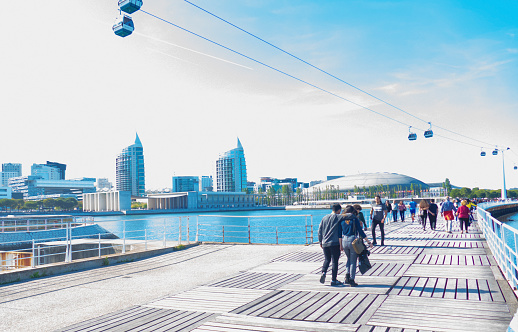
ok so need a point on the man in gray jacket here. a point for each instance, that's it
(330, 239)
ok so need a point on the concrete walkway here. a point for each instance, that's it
(421, 280)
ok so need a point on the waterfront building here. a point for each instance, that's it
(194, 200)
(231, 170)
(9, 170)
(38, 187)
(60, 167)
(315, 182)
(130, 174)
(206, 183)
(46, 172)
(332, 177)
(103, 184)
(5, 193)
(268, 182)
(186, 183)
(107, 201)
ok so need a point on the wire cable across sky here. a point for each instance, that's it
(333, 76)
(316, 86)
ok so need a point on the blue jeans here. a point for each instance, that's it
(352, 256)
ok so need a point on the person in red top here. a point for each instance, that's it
(463, 214)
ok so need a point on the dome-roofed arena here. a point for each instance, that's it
(393, 180)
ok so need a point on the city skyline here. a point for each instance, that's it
(450, 63)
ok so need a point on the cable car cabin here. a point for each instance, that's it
(428, 133)
(130, 6)
(412, 136)
(495, 152)
(483, 154)
(123, 26)
(515, 167)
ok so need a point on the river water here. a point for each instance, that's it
(266, 226)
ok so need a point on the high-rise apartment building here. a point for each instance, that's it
(185, 183)
(130, 175)
(9, 170)
(206, 183)
(231, 170)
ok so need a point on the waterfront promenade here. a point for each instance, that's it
(421, 280)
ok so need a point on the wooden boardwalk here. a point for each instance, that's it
(420, 281)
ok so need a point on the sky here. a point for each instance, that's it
(73, 92)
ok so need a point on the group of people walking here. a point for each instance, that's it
(338, 231)
(336, 234)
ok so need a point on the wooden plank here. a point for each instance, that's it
(449, 271)
(346, 304)
(462, 289)
(302, 306)
(399, 286)
(317, 304)
(258, 322)
(370, 310)
(429, 287)
(495, 291)
(344, 311)
(484, 292)
(407, 289)
(473, 290)
(271, 305)
(439, 288)
(281, 308)
(451, 288)
(321, 307)
(263, 299)
(418, 288)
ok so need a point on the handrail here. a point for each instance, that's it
(503, 242)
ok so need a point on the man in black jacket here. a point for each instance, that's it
(330, 239)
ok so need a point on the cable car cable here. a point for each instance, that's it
(331, 75)
(298, 79)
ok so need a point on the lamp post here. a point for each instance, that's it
(495, 152)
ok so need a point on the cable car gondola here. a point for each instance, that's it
(428, 133)
(515, 167)
(411, 136)
(130, 6)
(123, 26)
(483, 153)
(495, 152)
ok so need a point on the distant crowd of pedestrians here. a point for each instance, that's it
(338, 231)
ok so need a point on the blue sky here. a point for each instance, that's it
(73, 92)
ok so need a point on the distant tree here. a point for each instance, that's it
(455, 193)
(49, 203)
(447, 186)
(30, 205)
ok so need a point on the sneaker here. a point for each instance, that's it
(352, 283)
(347, 278)
(336, 283)
(323, 278)
(374, 244)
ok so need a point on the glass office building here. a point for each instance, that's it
(231, 170)
(130, 175)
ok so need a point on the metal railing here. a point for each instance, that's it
(502, 240)
(36, 241)
(249, 229)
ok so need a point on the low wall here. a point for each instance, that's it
(500, 210)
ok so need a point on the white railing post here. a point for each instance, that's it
(197, 227)
(277, 235)
(45, 224)
(223, 233)
(33, 258)
(180, 230)
(145, 239)
(249, 235)
(124, 237)
(68, 254)
(99, 244)
(164, 241)
(188, 233)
